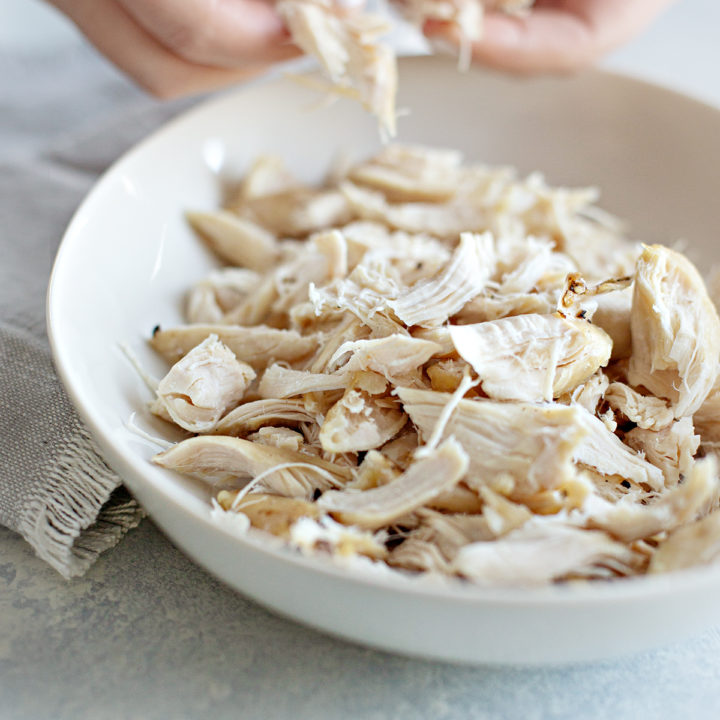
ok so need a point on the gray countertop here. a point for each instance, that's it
(148, 634)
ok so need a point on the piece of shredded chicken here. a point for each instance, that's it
(347, 43)
(202, 386)
(441, 368)
(532, 357)
(675, 331)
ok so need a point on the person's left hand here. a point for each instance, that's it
(179, 47)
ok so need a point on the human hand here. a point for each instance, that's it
(179, 47)
(555, 35)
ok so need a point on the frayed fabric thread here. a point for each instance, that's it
(55, 488)
(63, 523)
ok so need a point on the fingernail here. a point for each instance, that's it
(433, 27)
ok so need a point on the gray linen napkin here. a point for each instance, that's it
(55, 488)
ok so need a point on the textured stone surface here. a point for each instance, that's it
(146, 633)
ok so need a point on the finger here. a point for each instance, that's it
(226, 33)
(117, 36)
(613, 22)
(557, 35)
(542, 41)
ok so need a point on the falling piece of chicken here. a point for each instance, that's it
(408, 368)
(346, 44)
(345, 41)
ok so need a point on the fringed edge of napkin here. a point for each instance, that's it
(82, 511)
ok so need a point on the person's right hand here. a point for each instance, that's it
(179, 47)
(554, 35)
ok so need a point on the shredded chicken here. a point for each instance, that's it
(280, 437)
(530, 445)
(532, 357)
(257, 346)
(346, 43)
(410, 174)
(612, 314)
(707, 418)
(281, 382)
(432, 302)
(672, 448)
(603, 451)
(675, 331)
(629, 520)
(440, 368)
(251, 416)
(218, 458)
(397, 358)
(646, 411)
(380, 506)
(308, 534)
(236, 240)
(359, 422)
(210, 301)
(204, 385)
(537, 553)
(688, 546)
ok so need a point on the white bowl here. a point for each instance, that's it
(128, 257)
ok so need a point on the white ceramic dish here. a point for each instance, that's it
(128, 256)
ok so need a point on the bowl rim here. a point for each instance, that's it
(643, 587)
